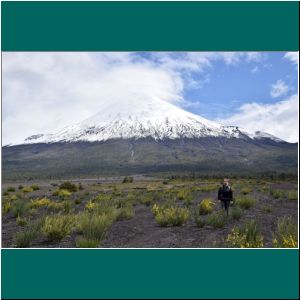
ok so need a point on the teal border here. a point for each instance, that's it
(134, 274)
(149, 26)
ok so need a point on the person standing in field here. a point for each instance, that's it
(225, 195)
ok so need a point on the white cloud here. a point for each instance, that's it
(45, 91)
(279, 89)
(293, 57)
(279, 119)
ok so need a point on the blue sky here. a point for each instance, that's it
(230, 86)
(46, 91)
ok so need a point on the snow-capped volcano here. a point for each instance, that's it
(157, 119)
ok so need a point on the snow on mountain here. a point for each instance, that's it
(139, 119)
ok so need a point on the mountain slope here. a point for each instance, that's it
(147, 137)
(156, 119)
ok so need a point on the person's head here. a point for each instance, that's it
(226, 182)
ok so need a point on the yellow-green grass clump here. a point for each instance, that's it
(173, 215)
(126, 212)
(292, 195)
(94, 226)
(236, 213)
(27, 189)
(246, 236)
(286, 234)
(82, 242)
(276, 193)
(35, 187)
(56, 227)
(69, 186)
(246, 190)
(19, 208)
(37, 203)
(245, 202)
(217, 220)
(206, 206)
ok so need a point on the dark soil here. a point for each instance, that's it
(142, 231)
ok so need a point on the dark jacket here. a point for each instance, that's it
(225, 193)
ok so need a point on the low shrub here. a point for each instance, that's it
(55, 206)
(127, 179)
(61, 193)
(186, 196)
(37, 203)
(24, 238)
(125, 213)
(67, 205)
(27, 189)
(206, 188)
(292, 195)
(267, 209)
(236, 213)
(30, 233)
(6, 206)
(200, 222)
(206, 206)
(11, 189)
(244, 202)
(246, 190)
(90, 205)
(174, 216)
(20, 187)
(217, 220)
(277, 193)
(56, 227)
(80, 187)
(19, 208)
(13, 197)
(94, 226)
(69, 186)
(82, 242)
(21, 221)
(35, 187)
(286, 235)
(77, 201)
(246, 236)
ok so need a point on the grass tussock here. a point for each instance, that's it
(62, 193)
(206, 206)
(35, 187)
(236, 213)
(68, 186)
(246, 236)
(94, 226)
(37, 203)
(126, 212)
(246, 190)
(170, 216)
(56, 227)
(27, 189)
(6, 206)
(286, 234)
(82, 242)
(245, 202)
(292, 195)
(19, 208)
(217, 220)
(277, 194)
(21, 221)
